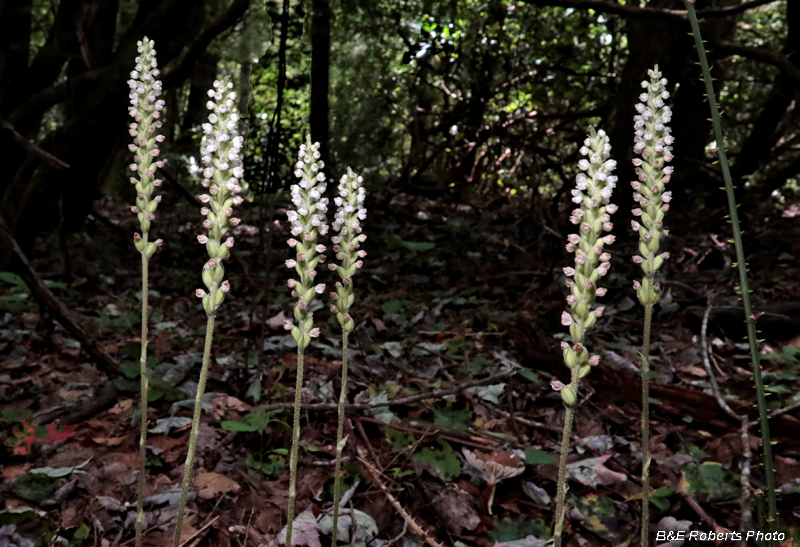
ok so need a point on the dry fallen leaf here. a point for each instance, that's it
(108, 441)
(210, 485)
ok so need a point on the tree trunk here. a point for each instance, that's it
(320, 74)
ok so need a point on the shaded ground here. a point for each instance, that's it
(454, 300)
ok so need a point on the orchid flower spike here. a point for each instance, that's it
(594, 185)
(308, 221)
(349, 214)
(222, 176)
(653, 142)
(146, 110)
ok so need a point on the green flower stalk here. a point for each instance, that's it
(652, 140)
(349, 214)
(145, 109)
(594, 186)
(222, 176)
(308, 221)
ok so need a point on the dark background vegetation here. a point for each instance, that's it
(464, 117)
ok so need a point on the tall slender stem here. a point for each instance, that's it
(198, 408)
(339, 434)
(298, 398)
(561, 495)
(143, 375)
(744, 290)
(648, 319)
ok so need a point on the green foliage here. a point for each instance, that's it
(255, 422)
(443, 459)
(534, 456)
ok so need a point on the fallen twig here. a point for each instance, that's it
(437, 394)
(68, 319)
(416, 528)
(746, 510)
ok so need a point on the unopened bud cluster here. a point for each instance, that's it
(146, 110)
(308, 222)
(222, 176)
(594, 185)
(349, 214)
(654, 143)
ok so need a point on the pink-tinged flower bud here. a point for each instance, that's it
(199, 293)
(134, 167)
(132, 147)
(229, 243)
(572, 300)
(569, 272)
(611, 208)
(136, 236)
(204, 198)
(312, 273)
(314, 333)
(635, 225)
(600, 291)
(292, 243)
(159, 242)
(320, 248)
(636, 285)
(332, 267)
(609, 239)
(291, 283)
(564, 345)
(134, 209)
(362, 238)
(359, 264)
(665, 255)
(598, 312)
(157, 182)
(556, 385)
(637, 259)
(566, 319)
(291, 263)
(287, 324)
(207, 224)
(202, 239)
(320, 288)
(605, 257)
(228, 212)
(234, 221)
(225, 287)
(594, 360)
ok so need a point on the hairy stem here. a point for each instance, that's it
(143, 375)
(339, 434)
(298, 397)
(648, 319)
(742, 266)
(198, 407)
(561, 495)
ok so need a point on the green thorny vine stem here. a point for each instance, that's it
(742, 266)
(222, 176)
(594, 185)
(145, 109)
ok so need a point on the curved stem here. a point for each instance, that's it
(648, 319)
(143, 375)
(198, 408)
(561, 495)
(298, 398)
(339, 445)
(744, 290)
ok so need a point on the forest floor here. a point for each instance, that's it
(457, 307)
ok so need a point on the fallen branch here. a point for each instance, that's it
(416, 528)
(746, 509)
(437, 394)
(66, 317)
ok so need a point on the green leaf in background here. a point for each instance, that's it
(410, 245)
(534, 456)
(445, 461)
(392, 306)
(451, 418)
(57, 472)
(12, 279)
